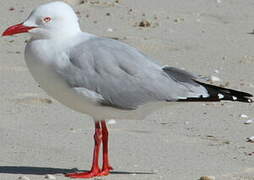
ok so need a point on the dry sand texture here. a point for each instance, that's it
(39, 136)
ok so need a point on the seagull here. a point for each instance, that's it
(104, 78)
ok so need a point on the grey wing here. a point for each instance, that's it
(121, 76)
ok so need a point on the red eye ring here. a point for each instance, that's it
(47, 19)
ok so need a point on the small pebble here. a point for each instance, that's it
(214, 78)
(207, 178)
(224, 57)
(72, 130)
(250, 139)
(250, 154)
(144, 23)
(110, 30)
(216, 71)
(11, 9)
(243, 116)
(74, 2)
(23, 178)
(177, 20)
(49, 176)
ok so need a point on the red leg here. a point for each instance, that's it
(105, 167)
(95, 170)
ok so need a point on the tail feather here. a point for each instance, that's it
(218, 93)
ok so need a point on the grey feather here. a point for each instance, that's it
(123, 76)
(180, 75)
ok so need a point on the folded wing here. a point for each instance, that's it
(122, 77)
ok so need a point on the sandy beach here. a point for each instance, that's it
(184, 141)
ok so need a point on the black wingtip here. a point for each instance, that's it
(218, 94)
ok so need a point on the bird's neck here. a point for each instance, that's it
(66, 42)
(61, 33)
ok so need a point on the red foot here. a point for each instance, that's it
(89, 174)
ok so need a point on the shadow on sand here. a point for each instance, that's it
(48, 170)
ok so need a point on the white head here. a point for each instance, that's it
(51, 20)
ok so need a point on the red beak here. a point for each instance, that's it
(16, 29)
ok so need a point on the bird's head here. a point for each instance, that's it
(55, 19)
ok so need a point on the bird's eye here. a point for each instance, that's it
(47, 19)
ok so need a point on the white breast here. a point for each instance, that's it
(42, 64)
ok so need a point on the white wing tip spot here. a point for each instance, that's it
(234, 98)
(221, 96)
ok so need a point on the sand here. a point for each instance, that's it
(184, 141)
